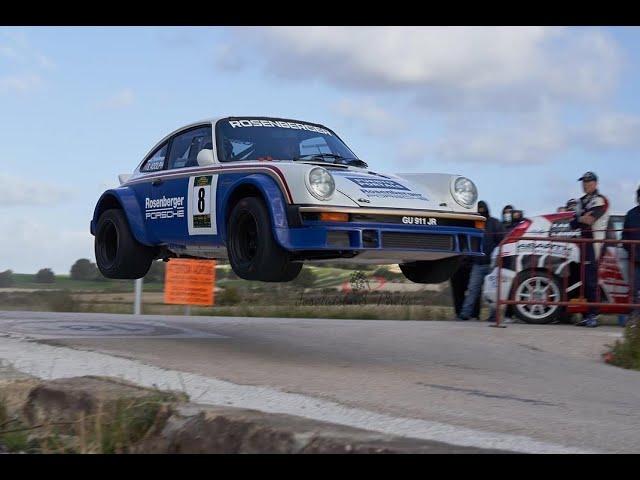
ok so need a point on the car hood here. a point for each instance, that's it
(370, 189)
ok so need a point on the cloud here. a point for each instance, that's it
(38, 242)
(530, 141)
(499, 68)
(17, 191)
(227, 59)
(21, 83)
(21, 62)
(611, 131)
(121, 99)
(370, 117)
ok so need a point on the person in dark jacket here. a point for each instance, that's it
(459, 283)
(631, 231)
(493, 235)
(507, 217)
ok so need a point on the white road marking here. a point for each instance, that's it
(49, 362)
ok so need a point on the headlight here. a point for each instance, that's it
(464, 192)
(320, 183)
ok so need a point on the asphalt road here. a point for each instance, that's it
(462, 383)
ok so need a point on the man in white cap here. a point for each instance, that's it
(592, 219)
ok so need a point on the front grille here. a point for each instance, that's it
(417, 241)
(338, 239)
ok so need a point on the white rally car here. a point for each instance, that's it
(548, 269)
(272, 193)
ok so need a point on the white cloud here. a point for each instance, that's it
(17, 191)
(121, 99)
(478, 67)
(611, 130)
(227, 58)
(370, 117)
(529, 141)
(39, 242)
(20, 83)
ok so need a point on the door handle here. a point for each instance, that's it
(157, 181)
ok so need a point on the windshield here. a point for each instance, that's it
(276, 139)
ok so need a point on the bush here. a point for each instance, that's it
(626, 352)
(228, 296)
(387, 274)
(84, 269)
(45, 275)
(6, 278)
(305, 279)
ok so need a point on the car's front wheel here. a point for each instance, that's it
(539, 286)
(253, 251)
(431, 271)
(118, 253)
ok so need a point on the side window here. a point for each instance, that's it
(186, 146)
(156, 161)
(314, 145)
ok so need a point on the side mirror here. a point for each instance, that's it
(205, 157)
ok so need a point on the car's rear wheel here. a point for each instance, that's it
(253, 251)
(118, 253)
(431, 271)
(533, 285)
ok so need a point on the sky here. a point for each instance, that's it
(522, 111)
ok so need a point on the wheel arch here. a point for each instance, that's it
(255, 185)
(123, 199)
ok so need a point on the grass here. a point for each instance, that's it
(625, 353)
(118, 430)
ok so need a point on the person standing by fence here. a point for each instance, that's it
(591, 218)
(493, 234)
(631, 231)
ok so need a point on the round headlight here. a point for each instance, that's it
(320, 183)
(464, 192)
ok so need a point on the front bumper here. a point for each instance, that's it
(384, 233)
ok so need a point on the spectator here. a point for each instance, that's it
(493, 235)
(591, 218)
(631, 231)
(507, 217)
(572, 205)
(459, 283)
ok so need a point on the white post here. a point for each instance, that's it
(187, 310)
(138, 300)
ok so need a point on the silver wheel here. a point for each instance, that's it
(537, 288)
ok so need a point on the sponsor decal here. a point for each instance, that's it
(419, 221)
(385, 188)
(562, 228)
(164, 208)
(559, 249)
(377, 183)
(279, 124)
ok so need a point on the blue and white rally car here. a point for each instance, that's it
(270, 194)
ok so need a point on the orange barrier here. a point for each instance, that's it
(190, 282)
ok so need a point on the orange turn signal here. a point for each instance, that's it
(480, 224)
(334, 217)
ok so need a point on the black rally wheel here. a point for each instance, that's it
(118, 253)
(431, 271)
(253, 251)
